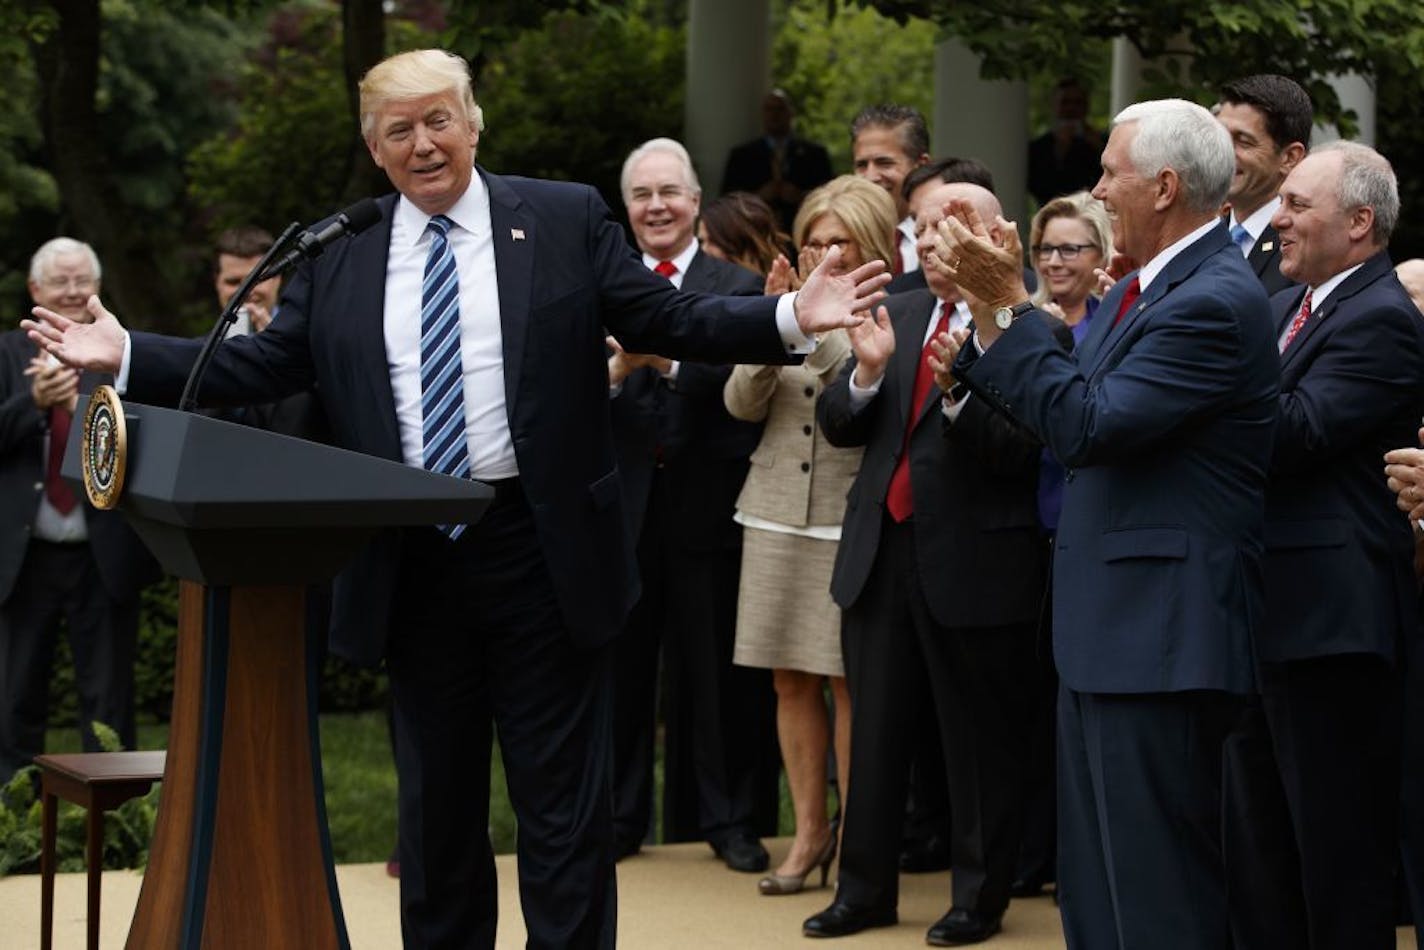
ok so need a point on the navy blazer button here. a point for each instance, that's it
(805, 466)
(810, 391)
(805, 430)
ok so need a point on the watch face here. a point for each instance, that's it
(1004, 317)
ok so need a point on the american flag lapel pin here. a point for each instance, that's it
(517, 233)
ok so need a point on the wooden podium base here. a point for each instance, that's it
(240, 856)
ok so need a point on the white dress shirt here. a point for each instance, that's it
(909, 257)
(487, 435)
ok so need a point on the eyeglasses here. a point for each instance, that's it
(818, 246)
(1066, 251)
(666, 193)
(69, 283)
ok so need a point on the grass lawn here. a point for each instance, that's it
(360, 782)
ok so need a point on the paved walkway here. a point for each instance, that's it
(669, 897)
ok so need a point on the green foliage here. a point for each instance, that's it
(284, 159)
(570, 99)
(833, 67)
(1222, 39)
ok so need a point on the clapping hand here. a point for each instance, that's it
(1404, 469)
(944, 351)
(986, 266)
(52, 384)
(873, 343)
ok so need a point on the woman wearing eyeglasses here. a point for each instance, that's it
(1070, 237)
(791, 510)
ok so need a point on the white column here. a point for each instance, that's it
(983, 119)
(1355, 93)
(728, 73)
(1126, 75)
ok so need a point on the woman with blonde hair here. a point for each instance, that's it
(791, 510)
(1069, 239)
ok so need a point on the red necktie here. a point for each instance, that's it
(56, 490)
(1298, 322)
(899, 500)
(1129, 297)
(666, 269)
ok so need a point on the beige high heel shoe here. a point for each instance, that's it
(777, 884)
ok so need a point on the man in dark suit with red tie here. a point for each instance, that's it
(1163, 418)
(464, 334)
(940, 575)
(62, 562)
(683, 459)
(1315, 836)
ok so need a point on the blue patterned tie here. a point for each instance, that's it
(1241, 236)
(442, 399)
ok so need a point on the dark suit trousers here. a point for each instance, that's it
(720, 761)
(1313, 804)
(1411, 815)
(895, 653)
(479, 640)
(61, 582)
(1139, 829)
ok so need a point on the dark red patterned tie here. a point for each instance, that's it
(1129, 297)
(56, 489)
(898, 498)
(1298, 322)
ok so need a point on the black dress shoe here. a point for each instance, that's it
(922, 855)
(961, 926)
(742, 852)
(841, 919)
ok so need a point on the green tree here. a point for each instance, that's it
(570, 98)
(1216, 39)
(835, 65)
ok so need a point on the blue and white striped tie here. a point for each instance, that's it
(442, 398)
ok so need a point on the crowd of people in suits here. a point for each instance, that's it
(1080, 567)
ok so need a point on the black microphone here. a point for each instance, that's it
(309, 245)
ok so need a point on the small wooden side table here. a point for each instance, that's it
(98, 782)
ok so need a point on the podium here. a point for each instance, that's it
(241, 857)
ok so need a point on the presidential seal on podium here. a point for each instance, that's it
(106, 447)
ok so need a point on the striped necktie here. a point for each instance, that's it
(1242, 238)
(442, 398)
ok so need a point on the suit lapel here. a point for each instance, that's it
(1181, 267)
(515, 237)
(1372, 270)
(1263, 251)
(365, 274)
(1102, 324)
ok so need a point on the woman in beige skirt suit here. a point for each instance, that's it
(791, 510)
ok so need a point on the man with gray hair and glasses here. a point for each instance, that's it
(61, 560)
(1163, 418)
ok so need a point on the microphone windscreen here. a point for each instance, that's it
(361, 215)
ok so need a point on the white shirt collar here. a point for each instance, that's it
(468, 211)
(1318, 294)
(1259, 219)
(1152, 268)
(681, 261)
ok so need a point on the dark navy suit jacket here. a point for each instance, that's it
(566, 276)
(976, 519)
(687, 424)
(1164, 422)
(1339, 554)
